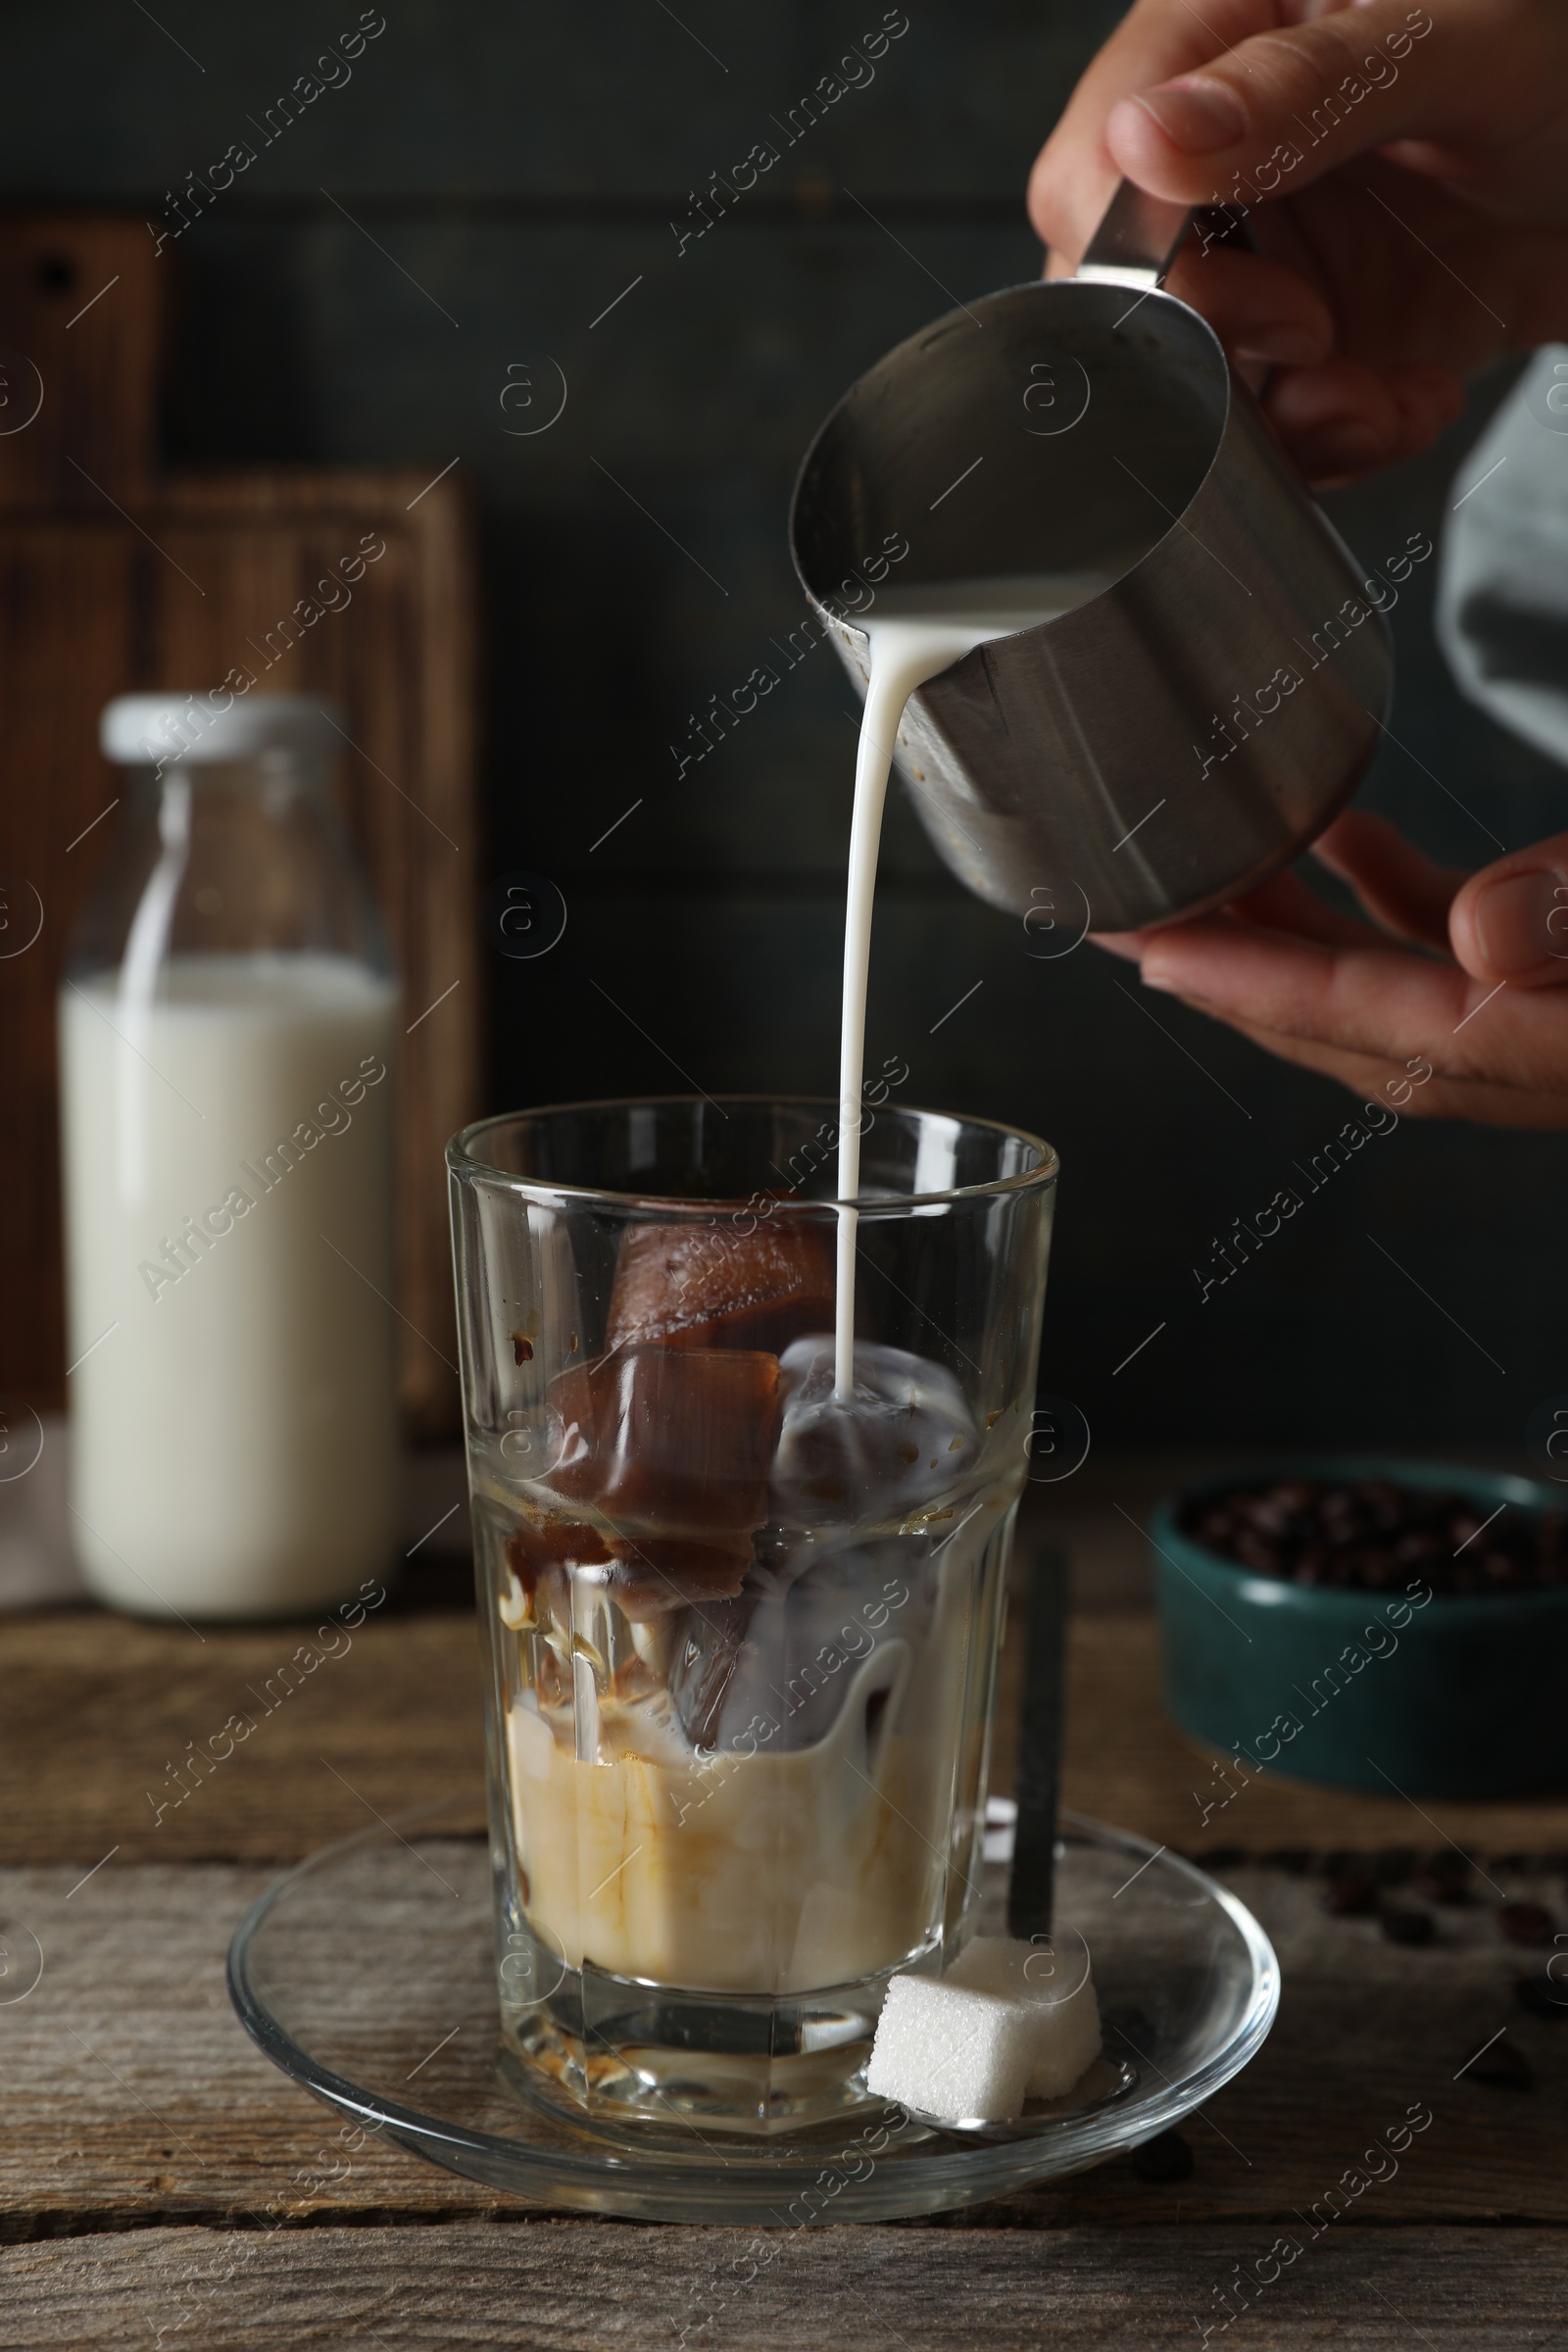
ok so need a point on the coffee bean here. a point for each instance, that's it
(1295, 1859)
(1442, 1879)
(1371, 1535)
(1403, 1924)
(1165, 2158)
(1351, 1897)
(1526, 1923)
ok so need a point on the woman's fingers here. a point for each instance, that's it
(1075, 175)
(1430, 399)
(1371, 1001)
(1259, 308)
(1284, 904)
(1401, 1086)
(1285, 107)
(1327, 992)
(1365, 1074)
(1379, 1002)
(1337, 414)
(1346, 419)
(1510, 921)
(1128, 945)
(1399, 887)
(1288, 903)
(1343, 419)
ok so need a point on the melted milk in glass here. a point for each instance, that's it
(915, 634)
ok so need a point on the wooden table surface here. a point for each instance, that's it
(144, 2133)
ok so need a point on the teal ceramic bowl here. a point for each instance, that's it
(1462, 1696)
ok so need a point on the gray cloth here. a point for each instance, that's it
(1502, 583)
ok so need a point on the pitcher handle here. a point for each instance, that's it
(1137, 241)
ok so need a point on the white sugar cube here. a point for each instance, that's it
(1052, 1992)
(951, 2052)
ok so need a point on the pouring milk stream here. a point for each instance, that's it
(915, 634)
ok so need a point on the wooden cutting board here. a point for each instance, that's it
(118, 578)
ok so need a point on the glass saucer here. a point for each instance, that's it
(368, 1975)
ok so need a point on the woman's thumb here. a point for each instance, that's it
(1283, 108)
(1510, 921)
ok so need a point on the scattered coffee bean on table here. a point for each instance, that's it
(1442, 1879)
(1370, 1535)
(1526, 1923)
(1403, 1924)
(1296, 1860)
(1350, 1897)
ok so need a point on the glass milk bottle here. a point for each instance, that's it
(228, 1029)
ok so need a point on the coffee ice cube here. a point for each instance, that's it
(681, 1438)
(705, 1650)
(903, 1439)
(548, 1557)
(951, 2052)
(1054, 1992)
(819, 1614)
(650, 1575)
(543, 1553)
(714, 1285)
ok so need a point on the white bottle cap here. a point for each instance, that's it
(161, 730)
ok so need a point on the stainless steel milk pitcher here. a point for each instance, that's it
(1185, 731)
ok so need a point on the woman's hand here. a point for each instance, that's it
(1467, 972)
(1406, 171)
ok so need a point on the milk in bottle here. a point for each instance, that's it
(227, 1033)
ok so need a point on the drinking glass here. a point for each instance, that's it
(742, 1632)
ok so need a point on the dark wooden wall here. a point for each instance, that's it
(489, 180)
